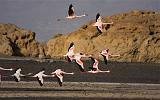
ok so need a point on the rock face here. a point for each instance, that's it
(134, 35)
(16, 41)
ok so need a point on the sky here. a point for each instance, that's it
(40, 16)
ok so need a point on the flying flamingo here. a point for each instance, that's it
(71, 13)
(94, 68)
(77, 58)
(99, 24)
(59, 74)
(105, 53)
(18, 74)
(70, 53)
(40, 76)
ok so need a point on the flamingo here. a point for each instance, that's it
(77, 58)
(71, 13)
(105, 53)
(70, 53)
(18, 74)
(95, 68)
(59, 75)
(99, 24)
(40, 76)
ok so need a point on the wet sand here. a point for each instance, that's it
(79, 90)
(126, 81)
(120, 72)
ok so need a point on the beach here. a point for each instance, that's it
(126, 81)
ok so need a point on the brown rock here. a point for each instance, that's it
(134, 35)
(17, 41)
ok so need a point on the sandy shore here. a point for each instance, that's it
(80, 90)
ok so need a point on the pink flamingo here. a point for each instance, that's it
(95, 68)
(59, 74)
(105, 53)
(40, 76)
(70, 53)
(17, 73)
(99, 24)
(77, 58)
(71, 13)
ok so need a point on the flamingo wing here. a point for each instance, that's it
(71, 47)
(99, 23)
(17, 74)
(105, 60)
(17, 79)
(71, 10)
(99, 28)
(60, 79)
(95, 65)
(97, 17)
(80, 65)
(40, 80)
(93, 61)
(68, 59)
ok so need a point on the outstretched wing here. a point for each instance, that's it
(40, 80)
(71, 10)
(1, 68)
(99, 28)
(94, 64)
(80, 65)
(93, 61)
(60, 79)
(68, 59)
(97, 17)
(17, 79)
(71, 47)
(105, 60)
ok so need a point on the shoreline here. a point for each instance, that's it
(14, 58)
(80, 90)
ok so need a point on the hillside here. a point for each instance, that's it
(134, 35)
(15, 41)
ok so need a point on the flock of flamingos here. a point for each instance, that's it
(71, 56)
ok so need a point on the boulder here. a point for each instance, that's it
(17, 41)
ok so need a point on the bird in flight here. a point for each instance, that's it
(59, 74)
(18, 74)
(40, 76)
(77, 58)
(71, 13)
(99, 24)
(70, 53)
(94, 68)
(105, 54)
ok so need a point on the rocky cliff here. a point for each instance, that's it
(134, 35)
(15, 41)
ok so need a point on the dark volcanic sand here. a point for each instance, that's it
(68, 98)
(120, 72)
(124, 73)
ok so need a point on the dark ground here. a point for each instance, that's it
(121, 72)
